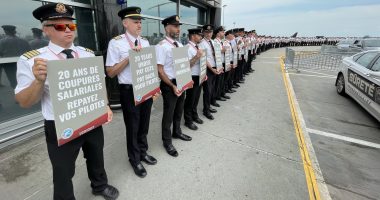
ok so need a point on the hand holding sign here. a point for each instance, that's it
(110, 115)
(40, 69)
(177, 91)
(199, 53)
(137, 48)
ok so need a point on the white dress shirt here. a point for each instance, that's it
(25, 75)
(118, 50)
(165, 55)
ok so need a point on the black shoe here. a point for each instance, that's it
(240, 81)
(182, 136)
(208, 115)
(148, 159)
(198, 120)
(226, 97)
(191, 126)
(229, 91)
(139, 170)
(215, 104)
(232, 90)
(171, 150)
(109, 193)
(237, 85)
(221, 99)
(212, 110)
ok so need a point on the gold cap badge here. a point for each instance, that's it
(60, 8)
(177, 18)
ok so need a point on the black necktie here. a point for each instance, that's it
(196, 46)
(175, 43)
(136, 43)
(212, 47)
(68, 53)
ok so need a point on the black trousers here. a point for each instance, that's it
(191, 101)
(63, 160)
(173, 109)
(136, 120)
(227, 77)
(219, 83)
(232, 78)
(237, 71)
(250, 58)
(243, 67)
(208, 88)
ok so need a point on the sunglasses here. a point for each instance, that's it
(62, 27)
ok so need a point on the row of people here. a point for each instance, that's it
(238, 50)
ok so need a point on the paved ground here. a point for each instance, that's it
(351, 170)
(249, 151)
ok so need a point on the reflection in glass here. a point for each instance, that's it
(150, 30)
(83, 1)
(184, 38)
(157, 8)
(192, 14)
(21, 32)
(15, 39)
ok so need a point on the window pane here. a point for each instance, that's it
(191, 14)
(158, 8)
(366, 59)
(15, 40)
(86, 28)
(150, 30)
(83, 1)
(18, 38)
(376, 66)
(184, 39)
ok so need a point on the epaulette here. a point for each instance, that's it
(117, 37)
(86, 49)
(30, 54)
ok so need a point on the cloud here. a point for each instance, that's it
(340, 21)
(238, 7)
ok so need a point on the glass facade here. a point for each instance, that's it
(157, 8)
(17, 37)
(192, 14)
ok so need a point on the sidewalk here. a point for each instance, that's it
(249, 151)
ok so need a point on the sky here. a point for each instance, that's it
(307, 17)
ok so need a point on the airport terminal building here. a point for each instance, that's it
(97, 22)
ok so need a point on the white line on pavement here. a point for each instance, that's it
(344, 138)
(312, 75)
(314, 72)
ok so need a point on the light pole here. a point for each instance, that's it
(224, 7)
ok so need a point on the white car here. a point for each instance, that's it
(359, 78)
(345, 44)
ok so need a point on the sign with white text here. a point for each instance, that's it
(182, 68)
(203, 67)
(227, 58)
(218, 54)
(145, 78)
(78, 94)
